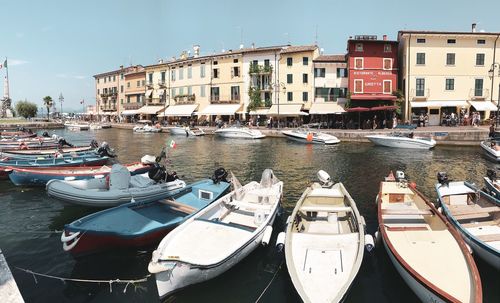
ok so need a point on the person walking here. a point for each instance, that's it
(394, 122)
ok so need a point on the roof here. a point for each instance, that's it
(331, 58)
(115, 72)
(372, 41)
(298, 49)
(447, 33)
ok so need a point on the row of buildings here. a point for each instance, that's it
(422, 71)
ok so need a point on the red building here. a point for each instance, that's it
(373, 70)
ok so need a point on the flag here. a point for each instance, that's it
(171, 144)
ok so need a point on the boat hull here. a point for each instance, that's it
(239, 134)
(314, 140)
(490, 153)
(178, 131)
(401, 142)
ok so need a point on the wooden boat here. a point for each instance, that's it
(402, 140)
(428, 252)
(325, 242)
(218, 237)
(120, 188)
(135, 225)
(49, 151)
(475, 214)
(13, 156)
(23, 176)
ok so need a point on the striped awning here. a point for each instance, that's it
(150, 110)
(219, 109)
(182, 110)
(129, 112)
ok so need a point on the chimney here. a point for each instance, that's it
(160, 61)
(473, 27)
(121, 66)
(196, 49)
(384, 37)
(241, 46)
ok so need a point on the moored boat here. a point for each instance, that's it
(492, 184)
(422, 245)
(77, 125)
(306, 135)
(491, 148)
(324, 242)
(134, 225)
(239, 133)
(218, 237)
(402, 140)
(475, 214)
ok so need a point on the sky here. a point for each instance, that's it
(55, 47)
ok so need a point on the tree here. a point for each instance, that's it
(255, 100)
(26, 109)
(47, 102)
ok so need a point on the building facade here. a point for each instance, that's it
(134, 90)
(372, 70)
(449, 72)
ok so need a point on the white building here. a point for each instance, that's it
(330, 84)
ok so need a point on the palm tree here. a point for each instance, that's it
(47, 101)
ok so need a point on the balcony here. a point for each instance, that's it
(419, 94)
(135, 105)
(260, 69)
(185, 99)
(328, 98)
(217, 99)
(109, 106)
(149, 84)
(162, 83)
(479, 94)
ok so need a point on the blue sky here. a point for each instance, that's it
(56, 46)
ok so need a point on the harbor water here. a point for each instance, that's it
(30, 222)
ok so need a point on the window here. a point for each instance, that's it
(121, 101)
(481, 41)
(128, 84)
(420, 40)
(235, 93)
(359, 47)
(305, 96)
(163, 77)
(358, 63)
(387, 48)
(121, 76)
(420, 58)
(304, 78)
(139, 98)
(190, 71)
(289, 78)
(452, 41)
(121, 88)
(305, 60)
(215, 62)
(128, 99)
(341, 72)
(173, 92)
(142, 82)
(181, 91)
(109, 78)
(172, 74)
(387, 86)
(266, 62)
(150, 78)
(202, 70)
(181, 72)
(235, 60)
(214, 91)
(215, 73)
(387, 63)
(138, 83)
(289, 96)
(319, 72)
(289, 61)
(450, 59)
(98, 80)
(202, 90)
(190, 90)
(98, 91)
(104, 79)
(114, 78)
(235, 71)
(420, 87)
(358, 86)
(450, 84)
(478, 88)
(255, 62)
(480, 59)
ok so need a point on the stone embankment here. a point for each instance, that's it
(30, 125)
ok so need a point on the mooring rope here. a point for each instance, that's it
(62, 279)
(270, 282)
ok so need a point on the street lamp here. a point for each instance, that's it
(491, 74)
(279, 86)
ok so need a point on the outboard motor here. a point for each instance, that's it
(219, 175)
(442, 178)
(94, 143)
(45, 134)
(105, 150)
(491, 174)
(157, 173)
(62, 142)
(172, 176)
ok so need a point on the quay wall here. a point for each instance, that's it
(31, 125)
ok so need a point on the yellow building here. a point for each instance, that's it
(445, 72)
(295, 91)
(135, 88)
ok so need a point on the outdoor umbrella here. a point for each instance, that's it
(358, 110)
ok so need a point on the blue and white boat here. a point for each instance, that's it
(475, 214)
(134, 225)
(90, 159)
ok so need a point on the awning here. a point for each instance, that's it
(259, 111)
(373, 97)
(326, 108)
(109, 113)
(148, 94)
(184, 110)
(129, 112)
(417, 104)
(219, 109)
(483, 105)
(150, 110)
(286, 110)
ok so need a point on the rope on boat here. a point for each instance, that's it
(270, 282)
(62, 279)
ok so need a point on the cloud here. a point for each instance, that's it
(14, 62)
(66, 76)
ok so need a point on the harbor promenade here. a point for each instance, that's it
(444, 135)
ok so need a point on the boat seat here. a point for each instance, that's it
(249, 205)
(479, 224)
(489, 238)
(458, 199)
(325, 208)
(407, 212)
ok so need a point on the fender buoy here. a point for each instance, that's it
(413, 185)
(309, 137)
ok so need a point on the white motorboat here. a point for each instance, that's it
(119, 188)
(492, 184)
(427, 251)
(195, 132)
(324, 242)
(186, 131)
(218, 237)
(307, 135)
(475, 214)
(239, 132)
(77, 126)
(146, 129)
(402, 140)
(491, 149)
